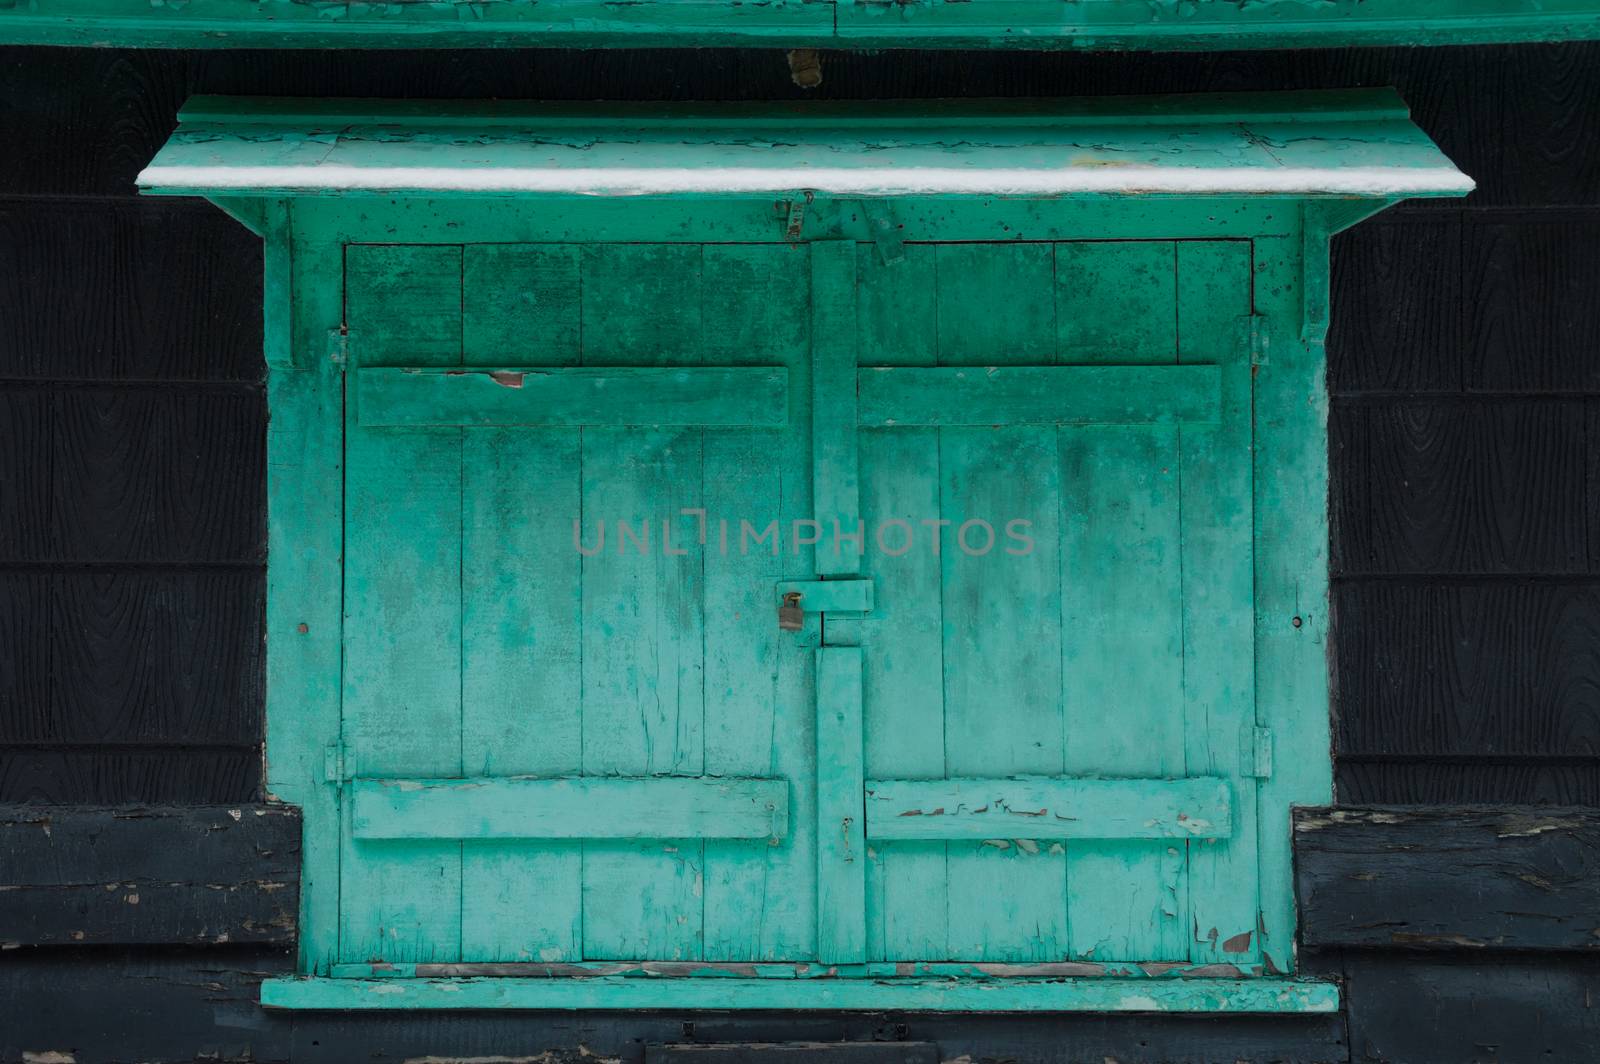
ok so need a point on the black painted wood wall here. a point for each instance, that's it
(1465, 372)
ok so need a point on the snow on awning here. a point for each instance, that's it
(1298, 144)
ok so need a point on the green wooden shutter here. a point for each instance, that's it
(983, 753)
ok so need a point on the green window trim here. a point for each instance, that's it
(1257, 269)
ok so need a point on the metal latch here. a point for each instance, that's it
(1258, 755)
(333, 763)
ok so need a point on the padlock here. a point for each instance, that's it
(791, 618)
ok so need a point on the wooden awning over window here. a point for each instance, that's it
(1338, 144)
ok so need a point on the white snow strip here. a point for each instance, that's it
(863, 181)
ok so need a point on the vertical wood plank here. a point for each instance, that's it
(903, 676)
(520, 610)
(1000, 616)
(1218, 587)
(758, 893)
(833, 415)
(1121, 608)
(1291, 581)
(402, 680)
(305, 536)
(841, 834)
(643, 605)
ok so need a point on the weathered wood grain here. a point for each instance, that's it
(1406, 1010)
(124, 290)
(104, 474)
(1408, 262)
(1485, 668)
(140, 656)
(1464, 878)
(1457, 486)
(148, 875)
(1530, 302)
(1410, 780)
(67, 776)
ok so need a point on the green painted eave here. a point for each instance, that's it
(1153, 25)
(1305, 145)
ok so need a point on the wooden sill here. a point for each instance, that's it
(1259, 995)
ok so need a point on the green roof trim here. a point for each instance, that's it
(1343, 144)
(1154, 25)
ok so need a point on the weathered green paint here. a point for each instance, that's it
(1037, 395)
(1108, 24)
(965, 995)
(841, 835)
(521, 807)
(523, 753)
(570, 397)
(1042, 808)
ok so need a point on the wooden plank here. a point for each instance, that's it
(643, 608)
(1041, 808)
(795, 1053)
(202, 1004)
(903, 675)
(519, 807)
(521, 609)
(1414, 470)
(828, 596)
(1523, 1008)
(553, 396)
(305, 506)
(1000, 600)
(1020, 995)
(1121, 634)
(759, 896)
(1505, 878)
(1484, 672)
(1038, 395)
(835, 468)
(162, 875)
(1220, 714)
(400, 900)
(1291, 582)
(841, 839)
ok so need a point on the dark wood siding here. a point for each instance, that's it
(1464, 366)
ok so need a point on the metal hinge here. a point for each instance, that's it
(1258, 756)
(334, 763)
(885, 232)
(795, 216)
(1253, 336)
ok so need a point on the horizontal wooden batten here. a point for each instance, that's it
(517, 807)
(712, 396)
(933, 995)
(1044, 807)
(1038, 395)
(1417, 878)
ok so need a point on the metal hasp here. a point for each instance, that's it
(1019, 426)
(1150, 25)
